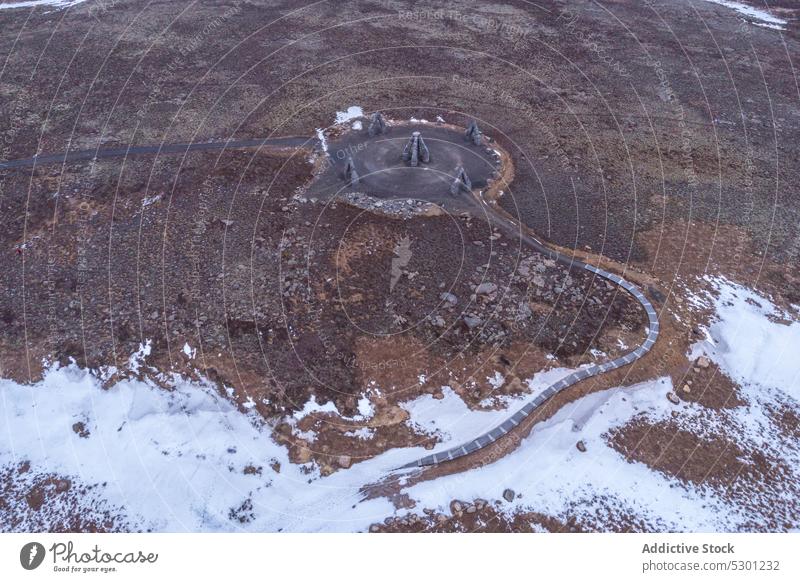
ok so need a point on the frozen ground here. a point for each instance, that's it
(187, 459)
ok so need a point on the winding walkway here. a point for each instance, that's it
(490, 213)
(510, 423)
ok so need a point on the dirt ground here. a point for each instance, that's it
(657, 137)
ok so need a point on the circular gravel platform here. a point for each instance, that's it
(384, 174)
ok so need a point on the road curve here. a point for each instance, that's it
(486, 439)
(174, 148)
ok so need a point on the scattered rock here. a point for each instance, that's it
(509, 495)
(344, 461)
(374, 528)
(703, 362)
(302, 454)
(686, 388)
(672, 397)
(472, 321)
(35, 498)
(485, 288)
(456, 507)
(581, 446)
(79, 428)
(449, 297)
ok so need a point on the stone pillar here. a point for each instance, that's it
(416, 151)
(473, 133)
(462, 183)
(350, 173)
(377, 124)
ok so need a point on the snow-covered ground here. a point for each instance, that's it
(352, 112)
(177, 460)
(755, 15)
(34, 3)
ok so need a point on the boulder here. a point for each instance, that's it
(509, 495)
(472, 322)
(449, 297)
(485, 288)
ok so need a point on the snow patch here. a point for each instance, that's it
(759, 17)
(189, 352)
(137, 358)
(311, 406)
(352, 112)
(751, 339)
(323, 141)
(175, 459)
(57, 4)
(365, 409)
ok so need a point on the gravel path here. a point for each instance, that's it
(175, 148)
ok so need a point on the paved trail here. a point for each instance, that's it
(174, 148)
(488, 211)
(515, 230)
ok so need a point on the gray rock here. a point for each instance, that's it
(473, 133)
(485, 288)
(509, 495)
(350, 173)
(377, 124)
(449, 297)
(416, 151)
(472, 321)
(461, 183)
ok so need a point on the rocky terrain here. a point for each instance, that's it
(654, 138)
